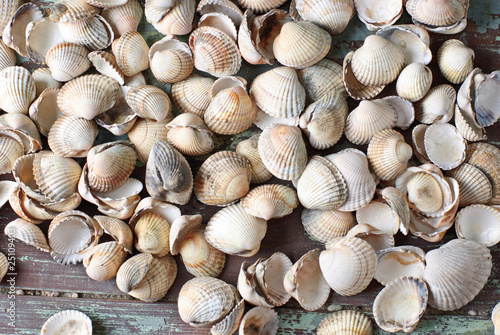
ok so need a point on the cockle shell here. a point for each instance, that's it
(123, 18)
(437, 106)
(119, 230)
(192, 95)
(68, 321)
(399, 204)
(445, 17)
(475, 187)
(103, 261)
(486, 101)
(249, 149)
(41, 36)
(264, 319)
(11, 148)
(326, 225)
(189, 134)
(467, 126)
(346, 322)
(145, 133)
(28, 233)
(404, 108)
(219, 21)
(14, 33)
(444, 146)
(397, 262)
(379, 215)
(106, 64)
(222, 6)
(4, 265)
(322, 78)
(43, 79)
(485, 156)
(260, 6)
(72, 136)
(106, 3)
(417, 141)
(330, 15)
(248, 285)
(170, 60)
(414, 82)
(7, 188)
(479, 223)
(376, 15)
(17, 88)
(412, 40)
(149, 102)
(270, 273)
(7, 9)
(23, 127)
(176, 20)
(93, 33)
(353, 86)
(231, 321)
(270, 201)
(7, 56)
(152, 232)
(455, 60)
(44, 110)
(131, 52)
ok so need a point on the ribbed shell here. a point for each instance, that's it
(399, 262)
(189, 134)
(378, 239)
(44, 111)
(353, 86)
(455, 60)
(177, 21)
(17, 89)
(72, 136)
(475, 187)
(479, 223)
(424, 193)
(168, 174)
(123, 18)
(249, 149)
(131, 52)
(7, 56)
(485, 157)
(106, 3)
(14, 34)
(43, 79)
(283, 151)
(321, 185)
(467, 127)
(486, 100)
(325, 226)
(231, 322)
(28, 233)
(93, 33)
(279, 93)
(103, 261)
(444, 146)
(468, 260)
(69, 11)
(333, 16)
(233, 231)
(412, 40)
(152, 232)
(171, 66)
(7, 9)
(346, 322)
(264, 319)
(270, 274)
(219, 21)
(106, 64)
(437, 12)
(437, 106)
(261, 6)
(11, 148)
(149, 102)
(322, 78)
(223, 6)
(376, 15)
(119, 230)
(144, 135)
(192, 95)
(414, 82)
(270, 201)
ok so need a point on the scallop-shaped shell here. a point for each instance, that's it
(106, 64)
(323, 121)
(152, 232)
(248, 285)
(283, 151)
(479, 223)
(437, 13)
(370, 117)
(485, 156)
(278, 92)
(23, 127)
(468, 260)
(444, 146)
(397, 262)
(149, 102)
(405, 110)
(103, 261)
(424, 192)
(413, 41)
(192, 95)
(181, 227)
(17, 89)
(119, 230)
(93, 33)
(123, 18)
(222, 179)
(249, 149)
(330, 15)
(475, 187)
(348, 266)
(353, 165)
(414, 82)
(270, 274)
(233, 231)
(437, 106)
(7, 9)
(67, 322)
(189, 134)
(145, 133)
(214, 52)
(145, 277)
(486, 101)
(377, 62)
(71, 10)
(353, 86)
(321, 185)
(28, 233)
(7, 56)
(467, 126)
(388, 154)
(88, 96)
(72, 136)
(222, 6)
(231, 321)
(346, 322)
(326, 225)
(171, 65)
(376, 15)
(176, 21)
(106, 3)
(455, 60)
(43, 79)
(287, 45)
(270, 201)
(261, 6)
(131, 52)
(322, 78)
(305, 282)
(14, 34)
(11, 148)
(219, 21)
(264, 319)
(37, 41)
(401, 304)
(379, 215)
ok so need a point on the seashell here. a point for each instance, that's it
(304, 281)
(261, 319)
(227, 82)
(27, 208)
(322, 78)
(333, 16)
(119, 230)
(28, 233)
(248, 285)
(378, 62)
(189, 134)
(68, 321)
(131, 52)
(152, 232)
(144, 135)
(23, 127)
(192, 95)
(123, 18)
(414, 82)
(484, 157)
(455, 60)
(398, 262)
(401, 304)
(214, 52)
(399, 204)
(106, 64)
(467, 126)
(265, 120)
(7, 187)
(278, 92)
(249, 149)
(205, 301)
(327, 225)
(377, 238)
(93, 33)
(67, 61)
(14, 33)
(17, 89)
(4, 266)
(475, 187)
(72, 136)
(468, 260)
(369, 118)
(120, 118)
(321, 185)
(149, 102)
(424, 192)
(286, 46)
(348, 266)
(270, 274)
(404, 109)
(145, 277)
(270, 201)
(231, 322)
(388, 154)
(44, 111)
(323, 121)
(478, 223)
(485, 106)
(242, 237)
(219, 21)
(71, 10)
(176, 21)
(347, 321)
(283, 151)
(467, 94)
(439, 16)
(376, 15)
(87, 96)
(7, 56)
(43, 79)
(417, 140)
(353, 166)
(437, 106)
(11, 148)
(444, 146)
(7, 10)
(221, 6)
(170, 60)
(260, 6)
(106, 3)
(412, 40)
(353, 86)
(181, 228)
(379, 215)
(103, 261)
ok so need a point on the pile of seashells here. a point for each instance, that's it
(353, 201)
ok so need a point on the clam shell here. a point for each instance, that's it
(119, 230)
(144, 134)
(486, 101)
(231, 322)
(120, 118)
(23, 127)
(265, 120)
(93, 33)
(414, 82)
(468, 260)
(333, 16)
(265, 320)
(417, 141)
(222, 6)
(72, 136)
(437, 13)
(467, 126)
(123, 18)
(28, 233)
(67, 322)
(424, 192)
(346, 322)
(7, 10)
(325, 226)
(322, 78)
(170, 60)
(242, 237)
(412, 40)
(398, 202)
(455, 60)
(149, 102)
(485, 157)
(405, 110)
(353, 86)
(270, 275)
(152, 232)
(475, 187)
(7, 56)
(131, 52)
(248, 285)
(27, 208)
(398, 262)
(270, 201)
(106, 64)
(192, 95)
(103, 261)
(444, 146)
(11, 148)
(14, 33)
(479, 223)
(17, 88)
(44, 111)
(177, 20)
(378, 239)
(71, 10)
(376, 15)
(189, 134)
(219, 21)
(107, 3)
(249, 149)
(379, 215)
(437, 106)
(7, 187)
(181, 228)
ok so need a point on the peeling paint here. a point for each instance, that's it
(486, 14)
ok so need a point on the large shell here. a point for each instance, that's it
(346, 322)
(485, 156)
(170, 60)
(330, 15)
(270, 201)
(397, 262)
(17, 89)
(93, 33)
(145, 133)
(192, 95)
(479, 223)
(376, 15)
(14, 34)
(412, 40)
(176, 20)
(189, 134)
(149, 102)
(131, 52)
(325, 226)
(103, 261)
(475, 187)
(249, 149)
(444, 146)
(414, 82)
(455, 60)
(322, 78)
(72, 136)
(123, 18)
(262, 319)
(444, 17)
(28, 233)
(437, 106)
(67, 322)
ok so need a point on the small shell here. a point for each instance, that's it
(106, 3)
(485, 156)
(177, 20)
(353, 86)
(261, 320)
(444, 146)
(70, 10)
(249, 149)
(322, 78)
(189, 134)
(119, 230)
(17, 88)
(106, 64)
(219, 21)
(103, 261)
(399, 204)
(192, 95)
(376, 15)
(479, 223)
(4, 266)
(131, 52)
(475, 187)
(145, 133)
(152, 232)
(397, 262)
(270, 201)
(333, 16)
(325, 226)
(170, 60)
(437, 106)
(68, 322)
(222, 6)
(28, 233)
(123, 18)
(149, 102)
(93, 33)
(72, 136)
(413, 41)
(414, 82)
(455, 60)
(346, 322)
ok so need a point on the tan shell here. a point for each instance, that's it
(4, 265)
(44, 111)
(152, 232)
(176, 20)
(223, 6)
(43, 79)
(437, 106)
(71, 10)
(7, 10)
(397, 262)
(249, 149)
(123, 18)
(484, 156)
(495, 317)
(7, 187)
(93, 33)
(220, 21)
(144, 135)
(17, 88)
(170, 60)
(270, 201)
(119, 230)
(149, 102)
(444, 146)
(270, 274)
(439, 16)
(72, 136)
(455, 60)
(103, 261)
(260, 6)
(467, 126)
(322, 78)
(192, 95)
(353, 86)
(376, 15)
(131, 52)
(405, 110)
(11, 148)
(398, 203)
(24, 128)
(7, 56)
(414, 82)
(479, 223)
(412, 40)
(14, 33)
(346, 322)
(417, 141)
(265, 320)
(106, 3)
(28, 233)
(325, 226)
(379, 215)
(106, 64)
(475, 187)
(189, 134)
(231, 322)
(333, 16)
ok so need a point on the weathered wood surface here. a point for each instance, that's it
(47, 285)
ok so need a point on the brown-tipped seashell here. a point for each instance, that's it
(397, 262)
(8, 9)
(479, 223)
(103, 261)
(28, 233)
(17, 88)
(222, 179)
(149, 102)
(88, 96)
(287, 45)
(192, 95)
(388, 154)
(414, 82)
(170, 60)
(443, 17)
(71, 10)
(151, 232)
(72, 136)
(176, 21)
(283, 151)
(353, 86)
(119, 230)
(401, 304)
(376, 15)
(485, 156)
(123, 18)
(44, 110)
(106, 3)
(144, 135)
(67, 61)
(333, 16)
(214, 52)
(131, 52)
(444, 146)
(369, 118)
(11, 148)
(325, 226)
(261, 319)
(349, 265)
(322, 78)
(189, 134)
(105, 63)
(43, 79)
(412, 40)
(455, 60)
(249, 149)
(94, 33)
(270, 201)
(437, 106)
(475, 187)
(70, 321)
(241, 237)
(231, 321)
(14, 34)
(219, 21)
(468, 260)
(346, 322)
(7, 56)
(146, 277)
(278, 92)
(305, 282)
(260, 6)
(467, 126)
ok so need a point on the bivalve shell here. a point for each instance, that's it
(17, 88)
(176, 19)
(106, 64)
(189, 134)
(93, 33)
(192, 95)
(486, 100)
(412, 40)
(145, 133)
(262, 319)
(28, 233)
(437, 106)
(444, 146)
(333, 16)
(479, 223)
(11, 148)
(322, 78)
(397, 262)
(485, 157)
(439, 16)
(170, 60)
(123, 18)
(346, 322)
(103, 261)
(261, 6)
(414, 82)
(475, 187)
(7, 55)
(72, 136)
(43, 79)
(376, 15)
(325, 226)
(149, 102)
(131, 52)
(249, 149)
(270, 201)
(44, 110)
(455, 60)
(14, 33)
(67, 322)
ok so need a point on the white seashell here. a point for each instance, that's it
(347, 321)
(376, 15)
(412, 40)
(397, 262)
(479, 223)
(437, 106)
(414, 82)
(444, 146)
(68, 322)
